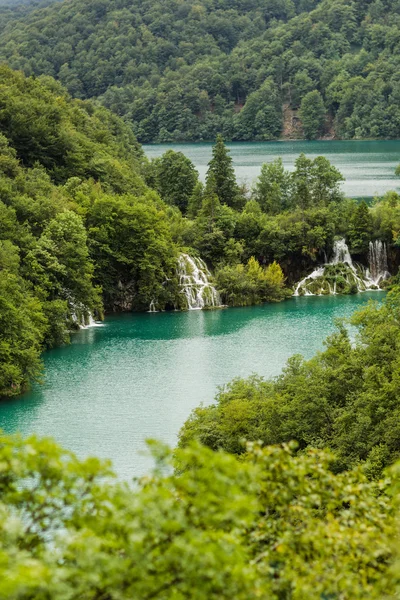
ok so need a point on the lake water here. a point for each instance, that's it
(368, 166)
(139, 375)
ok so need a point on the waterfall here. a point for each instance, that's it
(302, 285)
(341, 253)
(91, 323)
(194, 283)
(84, 320)
(341, 275)
(152, 307)
(378, 266)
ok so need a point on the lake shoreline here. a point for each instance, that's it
(140, 375)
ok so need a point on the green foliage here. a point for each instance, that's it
(81, 230)
(261, 116)
(221, 179)
(175, 179)
(243, 285)
(59, 263)
(69, 138)
(345, 398)
(312, 113)
(67, 225)
(274, 525)
(130, 242)
(361, 228)
(302, 84)
(187, 71)
(22, 326)
(272, 188)
(386, 218)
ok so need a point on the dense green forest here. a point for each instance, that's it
(250, 69)
(88, 224)
(70, 189)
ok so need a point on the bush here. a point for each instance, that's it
(243, 285)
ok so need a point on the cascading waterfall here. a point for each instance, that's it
(341, 253)
(194, 283)
(378, 265)
(91, 323)
(341, 275)
(80, 314)
(152, 307)
(302, 286)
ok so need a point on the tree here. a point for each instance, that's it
(22, 329)
(312, 114)
(361, 228)
(302, 85)
(195, 200)
(339, 399)
(315, 182)
(261, 116)
(242, 285)
(222, 175)
(325, 182)
(131, 246)
(302, 180)
(275, 524)
(60, 267)
(176, 179)
(187, 74)
(272, 188)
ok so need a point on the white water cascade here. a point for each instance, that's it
(341, 275)
(91, 323)
(341, 253)
(152, 307)
(302, 286)
(378, 265)
(194, 283)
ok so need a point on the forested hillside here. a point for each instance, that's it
(72, 200)
(252, 70)
(88, 224)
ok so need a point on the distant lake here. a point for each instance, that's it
(368, 166)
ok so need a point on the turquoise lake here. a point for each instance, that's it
(139, 376)
(368, 166)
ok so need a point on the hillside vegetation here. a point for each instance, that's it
(274, 526)
(87, 224)
(77, 221)
(186, 70)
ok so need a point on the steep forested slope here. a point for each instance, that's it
(184, 70)
(75, 214)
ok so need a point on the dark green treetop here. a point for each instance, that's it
(222, 174)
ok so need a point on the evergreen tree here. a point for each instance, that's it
(302, 180)
(195, 200)
(221, 172)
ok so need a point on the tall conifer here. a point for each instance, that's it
(221, 171)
